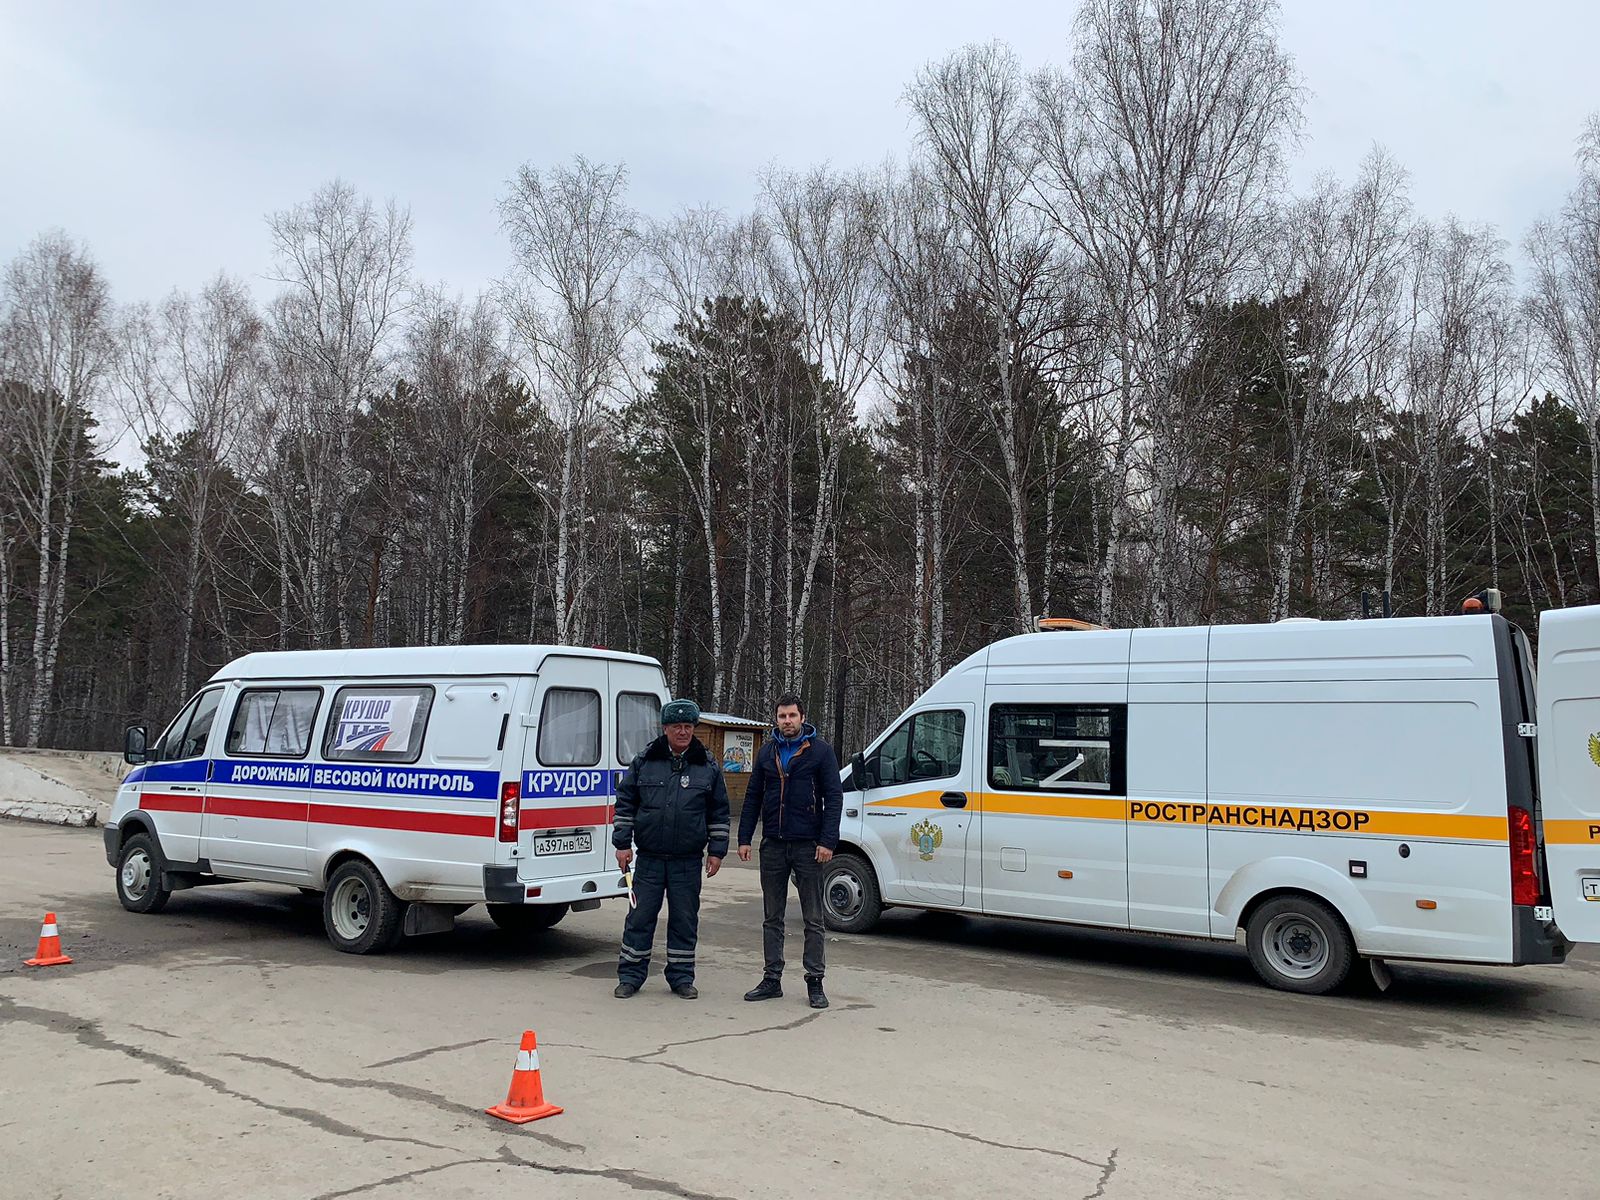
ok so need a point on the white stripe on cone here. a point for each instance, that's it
(527, 1060)
(48, 931)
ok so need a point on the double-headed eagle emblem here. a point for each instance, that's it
(926, 837)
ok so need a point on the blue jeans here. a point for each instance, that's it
(677, 881)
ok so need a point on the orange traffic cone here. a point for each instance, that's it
(49, 946)
(525, 1101)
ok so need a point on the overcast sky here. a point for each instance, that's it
(161, 133)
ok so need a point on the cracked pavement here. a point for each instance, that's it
(224, 1047)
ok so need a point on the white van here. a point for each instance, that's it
(1390, 789)
(405, 785)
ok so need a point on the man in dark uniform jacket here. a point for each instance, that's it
(672, 804)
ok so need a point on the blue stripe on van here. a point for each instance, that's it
(190, 770)
(362, 778)
(550, 784)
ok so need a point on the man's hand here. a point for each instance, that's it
(744, 853)
(624, 857)
(713, 865)
(824, 854)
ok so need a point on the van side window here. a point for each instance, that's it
(186, 736)
(166, 746)
(383, 723)
(888, 765)
(638, 723)
(274, 722)
(569, 728)
(924, 746)
(1058, 748)
(936, 743)
(193, 742)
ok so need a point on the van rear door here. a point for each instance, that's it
(1568, 690)
(565, 819)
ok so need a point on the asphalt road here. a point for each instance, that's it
(224, 1049)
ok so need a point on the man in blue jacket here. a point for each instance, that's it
(795, 793)
(672, 804)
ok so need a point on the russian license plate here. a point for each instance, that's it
(564, 843)
(1591, 888)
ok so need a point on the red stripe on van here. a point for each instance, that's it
(165, 802)
(565, 818)
(264, 810)
(407, 819)
(462, 824)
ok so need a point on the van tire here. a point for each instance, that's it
(359, 912)
(851, 902)
(526, 918)
(140, 868)
(1299, 944)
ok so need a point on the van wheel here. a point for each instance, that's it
(850, 900)
(526, 918)
(360, 913)
(139, 876)
(1299, 944)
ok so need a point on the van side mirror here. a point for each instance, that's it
(135, 744)
(858, 773)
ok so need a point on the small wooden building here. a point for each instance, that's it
(733, 741)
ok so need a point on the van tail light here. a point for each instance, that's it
(510, 809)
(1524, 873)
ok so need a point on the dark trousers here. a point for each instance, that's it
(677, 881)
(781, 861)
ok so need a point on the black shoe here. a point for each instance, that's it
(624, 990)
(814, 990)
(687, 991)
(767, 989)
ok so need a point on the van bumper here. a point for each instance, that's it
(502, 886)
(113, 840)
(1534, 941)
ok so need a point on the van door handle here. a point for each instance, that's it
(953, 799)
(852, 812)
(184, 787)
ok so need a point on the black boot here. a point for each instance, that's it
(767, 989)
(814, 989)
(623, 990)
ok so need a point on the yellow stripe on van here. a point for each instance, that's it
(1045, 804)
(1279, 818)
(913, 800)
(1572, 833)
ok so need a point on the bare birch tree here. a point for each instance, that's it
(822, 272)
(1337, 262)
(55, 347)
(1159, 148)
(973, 116)
(454, 354)
(917, 258)
(1565, 302)
(1507, 375)
(1459, 284)
(760, 390)
(189, 370)
(690, 257)
(345, 270)
(573, 306)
